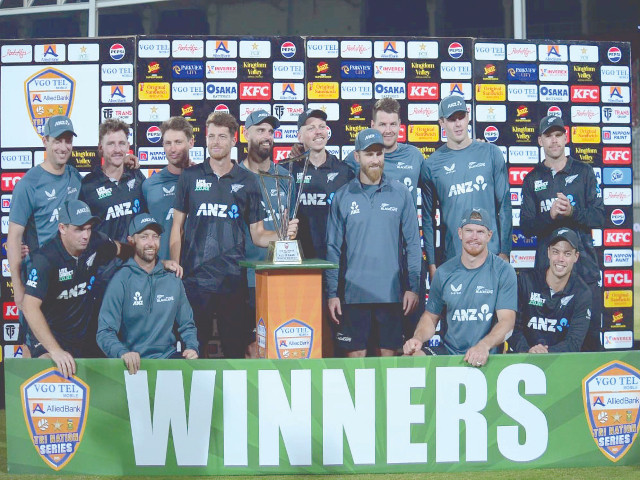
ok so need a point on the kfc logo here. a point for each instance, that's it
(255, 91)
(10, 311)
(616, 155)
(423, 91)
(618, 237)
(585, 94)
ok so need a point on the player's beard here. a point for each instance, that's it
(373, 174)
(148, 254)
(260, 150)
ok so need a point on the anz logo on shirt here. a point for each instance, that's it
(548, 324)
(218, 210)
(75, 291)
(123, 209)
(320, 199)
(468, 187)
(472, 314)
(33, 279)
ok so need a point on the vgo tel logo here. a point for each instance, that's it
(617, 278)
(618, 237)
(288, 49)
(255, 91)
(117, 51)
(616, 155)
(455, 50)
(585, 94)
(517, 174)
(154, 134)
(618, 217)
(614, 54)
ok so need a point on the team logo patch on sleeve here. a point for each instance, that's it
(611, 402)
(55, 411)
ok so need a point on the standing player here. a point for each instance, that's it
(554, 306)
(563, 192)
(466, 174)
(214, 200)
(475, 292)
(370, 219)
(159, 189)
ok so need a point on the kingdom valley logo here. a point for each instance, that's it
(55, 411)
(611, 397)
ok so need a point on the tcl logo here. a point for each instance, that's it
(10, 311)
(255, 91)
(585, 94)
(618, 237)
(517, 174)
(616, 155)
(618, 278)
(423, 91)
(280, 153)
(9, 181)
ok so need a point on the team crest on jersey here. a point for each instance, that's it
(131, 184)
(48, 92)
(55, 411)
(331, 176)
(236, 187)
(611, 397)
(570, 179)
(294, 339)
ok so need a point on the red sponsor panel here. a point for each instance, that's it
(517, 174)
(255, 91)
(9, 180)
(616, 156)
(423, 91)
(10, 311)
(617, 278)
(280, 153)
(402, 133)
(618, 237)
(585, 93)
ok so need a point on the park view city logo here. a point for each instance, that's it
(48, 92)
(612, 402)
(55, 411)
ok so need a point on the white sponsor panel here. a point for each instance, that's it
(152, 156)
(187, 48)
(333, 150)
(567, 152)
(523, 258)
(462, 89)
(397, 90)
(553, 73)
(389, 70)
(153, 112)
(117, 72)
(49, 53)
(197, 154)
(619, 257)
(503, 149)
(523, 155)
(288, 112)
(19, 132)
(38, 158)
(516, 196)
(286, 134)
(221, 69)
(616, 114)
(6, 271)
(356, 48)
(621, 135)
(616, 196)
(16, 54)
(221, 91)
(83, 52)
(323, 49)
(596, 234)
(331, 109)
(346, 150)
(389, 49)
(421, 49)
(615, 94)
(154, 48)
(515, 215)
(455, 70)
(583, 53)
(553, 53)
(422, 112)
(621, 339)
(124, 113)
(116, 94)
(554, 93)
(521, 51)
(255, 49)
(523, 93)
(288, 91)
(491, 113)
(5, 203)
(4, 225)
(187, 90)
(585, 114)
(247, 109)
(490, 51)
(16, 160)
(356, 90)
(221, 48)
(288, 70)
(614, 74)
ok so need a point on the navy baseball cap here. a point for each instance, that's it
(565, 234)
(57, 125)
(368, 137)
(77, 213)
(310, 113)
(471, 217)
(143, 221)
(551, 122)
(450, 105)
(261, 116)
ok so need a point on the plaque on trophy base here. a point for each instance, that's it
(284, 252)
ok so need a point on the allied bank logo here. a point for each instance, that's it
(294, 339)
(48, 92)
(55, 410)
(612, 401)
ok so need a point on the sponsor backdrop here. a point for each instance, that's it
(218, 417)
(508, 88)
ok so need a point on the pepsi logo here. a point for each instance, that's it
(221, 107)
(617, 217)
(614, 54)
(154, 134)
(288, 49)
(491, 134)
(117, 51)
(455, 50)
(555, 111)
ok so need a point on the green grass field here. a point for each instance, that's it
(597, 473)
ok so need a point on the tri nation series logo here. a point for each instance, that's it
(55, 411)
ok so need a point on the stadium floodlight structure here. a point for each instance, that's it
(32, 7)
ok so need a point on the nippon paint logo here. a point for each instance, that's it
(618, 257)
(616, 135)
